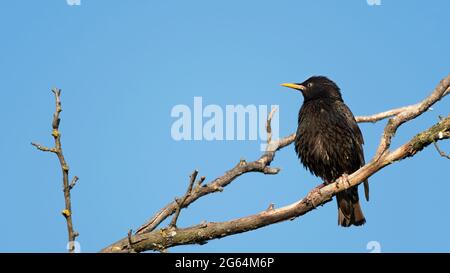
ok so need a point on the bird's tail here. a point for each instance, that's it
(349, 209)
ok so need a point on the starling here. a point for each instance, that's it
(329, 142)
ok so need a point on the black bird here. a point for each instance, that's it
(329, 142)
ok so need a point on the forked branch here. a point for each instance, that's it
(148, 238)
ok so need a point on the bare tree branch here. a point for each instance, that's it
(165, 238)
(146, 238)
(180, 202)
(208, 231)
(260, 165)
(391, 128)
(67, 187)
(384, 115)
(441, 153)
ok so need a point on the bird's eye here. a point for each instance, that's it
(310, 84)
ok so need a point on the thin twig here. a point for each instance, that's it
(441, 153)
(181, 202)
(67, 211)
(200, 181)
(269, 125)
(43, 148)
(383, 115)
(130, 242)
(73, 182)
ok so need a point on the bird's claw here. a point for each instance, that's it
(316, 190)
(344, 180)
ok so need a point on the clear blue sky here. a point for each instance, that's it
(123, 65)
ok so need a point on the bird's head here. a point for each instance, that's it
(317, 87)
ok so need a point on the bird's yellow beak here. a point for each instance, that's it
(294, 86)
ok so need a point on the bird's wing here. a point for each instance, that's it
(353, 125)
(351, 121)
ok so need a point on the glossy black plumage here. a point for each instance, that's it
(329, 142)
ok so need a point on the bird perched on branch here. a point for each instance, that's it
(329, 142)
